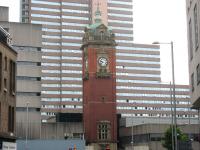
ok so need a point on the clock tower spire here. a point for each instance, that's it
(99, 85)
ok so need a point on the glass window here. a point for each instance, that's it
(120, 21)
(45, 16)
(119, 2)
(45, 9)
(119, 8)
(103, 130)
(120, 15)
(138, 55)
(75, 11)
(45, 22)
(45, 2)
(74, 4)
(75, 17)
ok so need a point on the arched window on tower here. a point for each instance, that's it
(102, 35)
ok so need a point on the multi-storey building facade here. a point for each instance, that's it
(26, 40)
(63, 27)
(7, 91)
(139, 88)
(193, 21)
(141, 94)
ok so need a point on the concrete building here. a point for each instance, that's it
(193, 22)
(63, 28)
(139, 88)
(26, 40)
(150, 136)
(7, 91)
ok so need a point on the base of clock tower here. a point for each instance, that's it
(104, 146)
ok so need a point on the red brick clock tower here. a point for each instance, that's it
(99, 86)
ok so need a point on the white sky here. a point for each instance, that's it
(164, 21)
(154, 20)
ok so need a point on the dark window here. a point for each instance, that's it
(29, 93)
(1, 71)
(23, 19)
(198, 74)
(192, 82)
(39, 49)
(23, 6)
(102, 35)
(11, 119)
(38, 63)
(12, 77)
(196, 31)
(5, 83)
(190, 40)
(0, 115)
(5, 63)
(28, 78)
(28, 63)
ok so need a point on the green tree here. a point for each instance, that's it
(167, 142)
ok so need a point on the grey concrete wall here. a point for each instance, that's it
(33, 100)
(30, 71)
(195, 95)
(129, 121)
(4, 13)
(29, 56)
(33, 124)
(28, 86)
(195, 145)
(24, 34)
(156, 128)
(59, 130)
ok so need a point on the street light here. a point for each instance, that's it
(27, 123)
(173, 83)
(131, 124)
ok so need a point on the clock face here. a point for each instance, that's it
(103, 61)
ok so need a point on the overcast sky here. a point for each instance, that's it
(154, 20)
(164, 21)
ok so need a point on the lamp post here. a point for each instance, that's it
(172, 120)
(173, 92)
(132, 148)
(27, 124)
(132, 130)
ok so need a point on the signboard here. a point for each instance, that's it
(9, 146)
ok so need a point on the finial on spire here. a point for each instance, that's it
(98, 6)
(98, 14)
